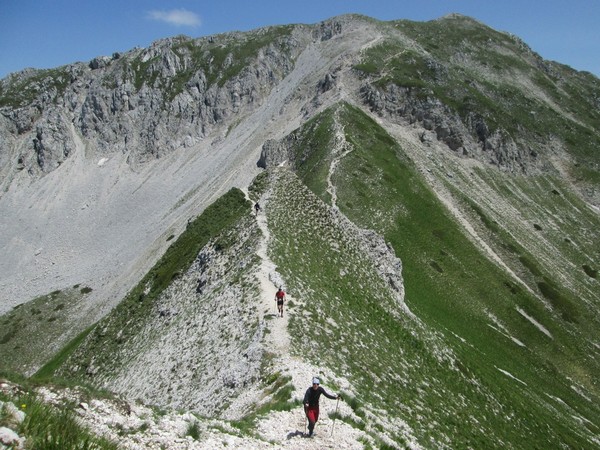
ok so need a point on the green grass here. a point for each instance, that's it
(258, 186)
(46, 372)
(193, 430)
(46, 317)
(181, 254)
(478, 88)
(47, 427)
(402, 67)
(280, 389)
(449, 284)
(312, 158)
(357, 303)
(552, 292)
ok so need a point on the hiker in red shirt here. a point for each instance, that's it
(311, 403)
(279, 298)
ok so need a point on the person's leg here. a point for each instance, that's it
(312, 414)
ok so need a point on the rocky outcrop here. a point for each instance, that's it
(273, 154)
(470, 137)
(52, 142)
(145, 102)
(160, 116)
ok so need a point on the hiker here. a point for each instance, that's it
(311, 403)
(279, 298)
(256, 208)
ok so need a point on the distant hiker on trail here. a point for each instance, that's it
(279, 298)
(256, 208)
(311, 403)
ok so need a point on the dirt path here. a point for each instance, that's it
(286, 428)
(340, 150)
(270, 281)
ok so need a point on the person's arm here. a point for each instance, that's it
(333, 397)
(306, 395)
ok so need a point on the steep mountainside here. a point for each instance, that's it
(430, 197)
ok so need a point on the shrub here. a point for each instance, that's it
(566, 307)
(593, 273)
(193, 430)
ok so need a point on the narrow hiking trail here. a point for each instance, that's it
(270, 281)
(286, 429)
(340, 150)
(136, 426)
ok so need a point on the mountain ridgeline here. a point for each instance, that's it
(430, 198)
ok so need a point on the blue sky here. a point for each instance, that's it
(51, 33)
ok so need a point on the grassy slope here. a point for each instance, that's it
(453, 288)
(46, 318)
(477, 72)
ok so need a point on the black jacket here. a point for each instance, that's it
(312, 396)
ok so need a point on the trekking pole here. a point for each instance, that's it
(335, 415)
(304, 418)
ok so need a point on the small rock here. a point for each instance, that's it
(14, 413)
(10, 438)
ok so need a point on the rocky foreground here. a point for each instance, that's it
(136, 426)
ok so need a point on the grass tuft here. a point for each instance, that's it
(46, 427)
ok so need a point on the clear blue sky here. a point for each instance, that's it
(51, 33)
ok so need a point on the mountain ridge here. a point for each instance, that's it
(430, 197)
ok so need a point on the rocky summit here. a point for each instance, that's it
(427, 195)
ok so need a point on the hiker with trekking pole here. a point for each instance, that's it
(311, 403)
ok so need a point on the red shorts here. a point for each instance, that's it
(312, 412)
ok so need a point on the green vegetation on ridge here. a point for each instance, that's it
(452, 287)
(128, 317)
(484, 75)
